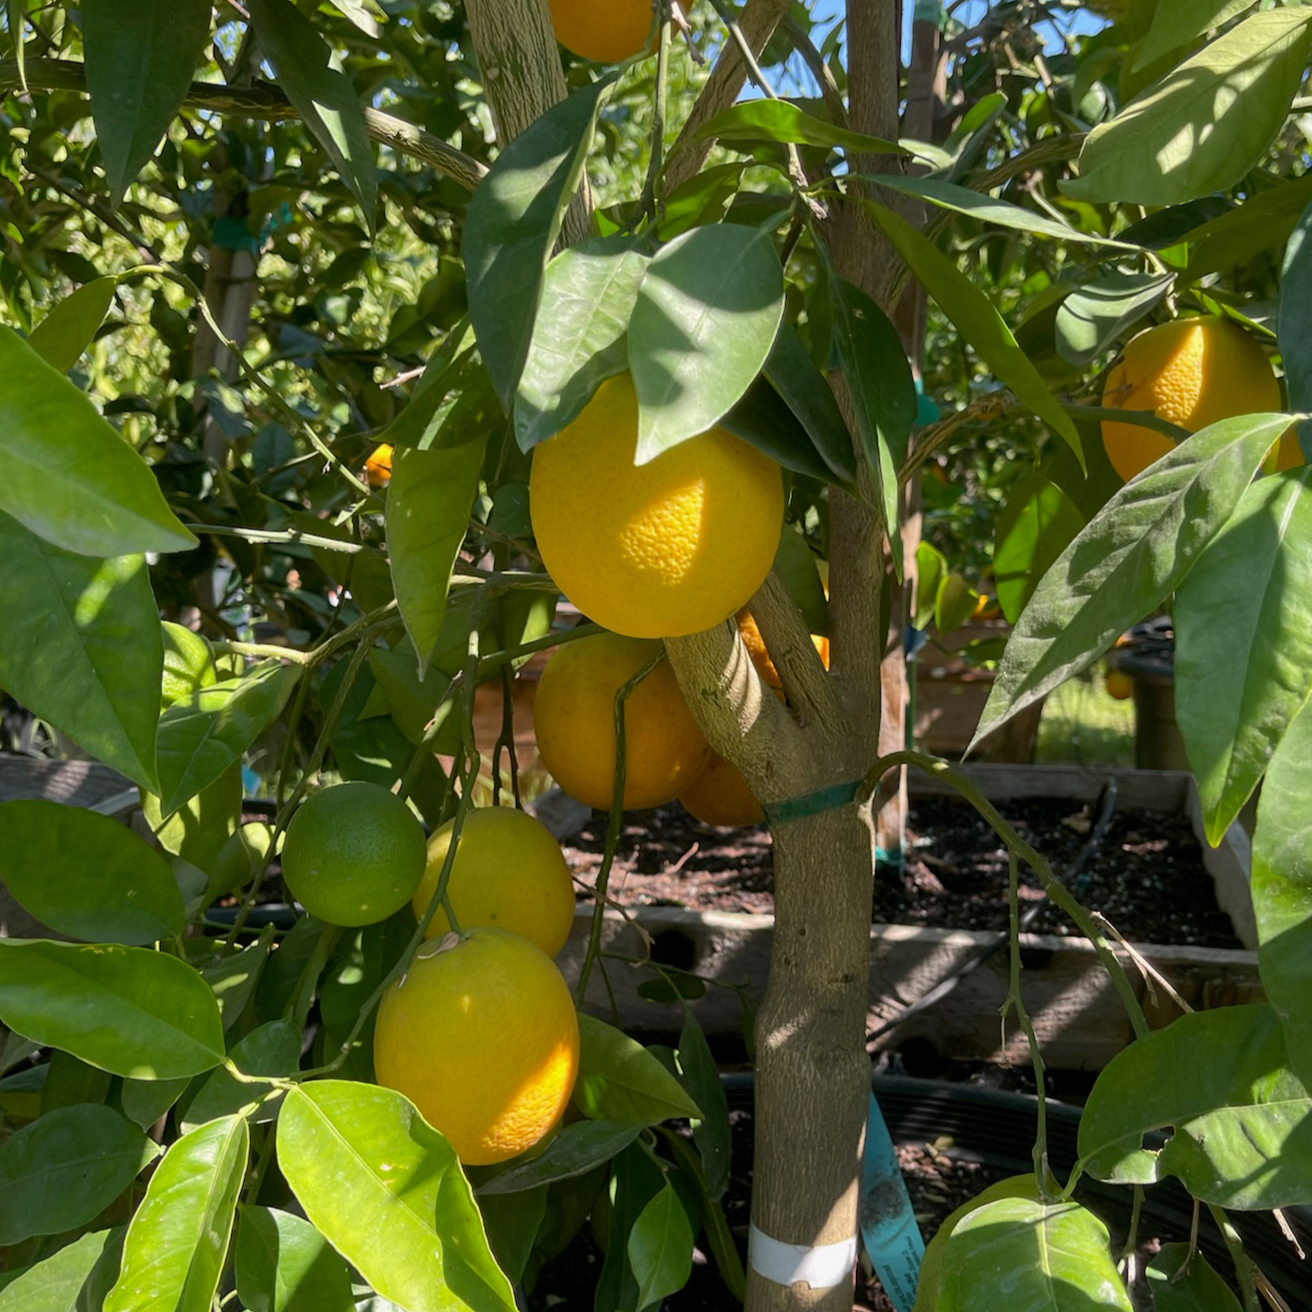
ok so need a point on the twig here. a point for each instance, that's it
(659, 110)
(1245, 1268)
(1151, 973)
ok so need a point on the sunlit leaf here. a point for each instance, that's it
(283, 1264)
(619, 1080)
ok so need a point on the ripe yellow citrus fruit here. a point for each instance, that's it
(1119, 685)
(353, 854)
(760, 654)
(720, 796)
(605, 31)
(482, 1036)
(574, 721)
(1190, 372)
(656, 550)
(378, 468)
(508, 872)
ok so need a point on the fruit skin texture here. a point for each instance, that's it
(720, 796)
(659, 550)
(605, 31)
(574, 720)
(378, 468)
(1190, 372)
(481, 1035)
(353, 854)
(509, 873)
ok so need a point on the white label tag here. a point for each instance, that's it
(823, 1267)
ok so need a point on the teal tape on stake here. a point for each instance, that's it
(929, 11)
(816, 803)
(888, 1222)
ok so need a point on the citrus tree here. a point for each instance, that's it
(629, 337)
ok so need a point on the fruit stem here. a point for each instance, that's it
(657, 161)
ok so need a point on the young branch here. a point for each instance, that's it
(784, 628)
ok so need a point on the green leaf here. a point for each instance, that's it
(764, 420)
(1096, 314)
(201, 738)
(931, 573)
(793, 374)
(778, 120)
(101, 617)
(513, 1223)
(701, 1077)
(415, 702)
(512, 224)
(1294, 322)
(69, 477)
(1132, 555)
(1017, 1253)
(387, 1192)
(574, 1151)
(128, 1011)
(1182, 1282)
(145, 1101)
(1260, 224)
(1243, 1121)
(178, 1239)
(1282, 888)
(283, 1264)
(619, 1080)
(233, 977)
(978, 321)
(311, 75)
(139, 64)
(62, 1171)
(660, 1248)
(16, 15)
(200, 830)
(273, 1049)
(87, 876)
(70, 1281)
(1035, 527)
(635, 1180)
(702, 328)
(1243, 653)
(883, 394)
(428, 505)
(1177, 22)
(61, 337)
(955, 603)
(1206, 123)
(578, 342)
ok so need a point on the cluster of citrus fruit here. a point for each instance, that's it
(481, 1032)
(1191, 372)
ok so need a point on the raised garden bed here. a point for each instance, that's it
(1079, 1020)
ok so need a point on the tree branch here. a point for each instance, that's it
(264, 101)
(788, 639)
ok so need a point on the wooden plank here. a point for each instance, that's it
(76, 783)
(1077, 1015)
(1137, 790)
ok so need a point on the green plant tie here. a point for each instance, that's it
(816, 803)
(930, 11)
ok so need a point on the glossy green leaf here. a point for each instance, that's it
(1282, 888)
(73, 1280)
(202, 827)
(386, 1190)
(428, 505)
(1294, 323)
(87, 876)
(69, 477)
(977, 319)
(61, 337)
(511, 227)
(794, 375)
(177, 1241)
(1259, 224)
(283, 1264)
(201, 738)
(311, 75)
(144, 1102)
(233, 976)
(1037, 524)
(955, 603)
(711, 1134)
(883, 393)
(574, 1151)
(273, 1049)
(635, 1180)
(101, 616)
(450, 406)
(1092, 317)
(188, 663)
(619, 1080)
(63, 1170)
(764, 420)
(578, 342)
(1016, 1253)
(1132, 555)
(796, 565)
(703, 325)
(1177, 22)
(1242, 1120)
(660, 1248)
(1243, 653)
(128, 1011)
(1206, 123)
(16, 16)
(780, 120)
(931, 573)
(1182, 1282)
(513, 1222)
(413, 702)
(139, 63)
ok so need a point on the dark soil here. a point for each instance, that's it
(1146, 875)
